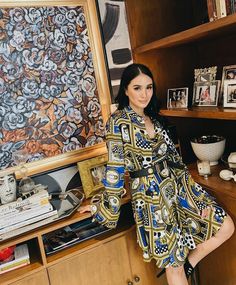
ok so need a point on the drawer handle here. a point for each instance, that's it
(136, 278)
(130, 283)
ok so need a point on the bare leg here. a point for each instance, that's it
(203, 249)
(176, 276)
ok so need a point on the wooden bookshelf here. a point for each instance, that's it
(207, 30)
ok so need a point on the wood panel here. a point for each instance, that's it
(38, 278)
(145, 271)
(106, 264)
(156, 19)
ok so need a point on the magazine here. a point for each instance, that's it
(70, 235)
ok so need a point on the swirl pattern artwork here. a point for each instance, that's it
(49, 101)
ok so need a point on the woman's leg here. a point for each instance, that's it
(176, 276)
(203, 249)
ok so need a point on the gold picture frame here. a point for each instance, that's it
(90, 149)
(91, 172)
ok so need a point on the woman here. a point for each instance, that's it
(177, 222)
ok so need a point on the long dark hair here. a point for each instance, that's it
(130, 72)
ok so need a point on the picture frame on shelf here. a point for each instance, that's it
(205, 74)
(228, 73)
(91, 173)
(230, 93)
(177, 98)
(206, 93)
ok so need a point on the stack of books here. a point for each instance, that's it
(23, 215)
(220, 8)
(20, 258)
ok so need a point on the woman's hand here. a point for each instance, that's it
(84, 209)
(205, 212)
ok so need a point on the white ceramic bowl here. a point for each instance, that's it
(208, 148)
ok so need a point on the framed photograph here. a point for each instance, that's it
(91, 173)
(56, 103)
(177, 98)
(228, 73)
(230, 93)
(206, 93)
(205, 74)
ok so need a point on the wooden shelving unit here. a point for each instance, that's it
(201, 32)
(38, 259)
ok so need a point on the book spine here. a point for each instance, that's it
(26, 215)
(220, 8)
(17, 204)
(210, 10)
(27, 228)
(20, 264)
(211, 7)
(27, 222)
(228, 7)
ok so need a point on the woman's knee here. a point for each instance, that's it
(227, 228)
(175, 270)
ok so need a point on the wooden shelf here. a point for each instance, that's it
(76, 217)
(214, 182)
(201, 112)
(211, 29)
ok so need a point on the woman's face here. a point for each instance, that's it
(140, 91)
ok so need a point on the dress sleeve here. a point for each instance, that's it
(106, 206)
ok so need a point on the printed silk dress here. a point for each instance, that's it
(166, 204)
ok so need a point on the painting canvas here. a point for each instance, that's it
(49, 101)
(116, 39)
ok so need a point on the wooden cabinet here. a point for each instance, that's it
(105, 264)
(117, 261)
(37, 278)
(167, 39)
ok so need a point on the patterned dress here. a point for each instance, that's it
(166, 204)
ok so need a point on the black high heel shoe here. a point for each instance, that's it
(188, 269)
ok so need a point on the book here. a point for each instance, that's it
(28, 213)
(14, 206)
(61, 237)
(73, 234)
(29, 221)
(20, 258)
(28, 228)
(220, 9)
(211, 7)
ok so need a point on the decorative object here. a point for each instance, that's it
(206, 93)
(177, 98)
(56, 100)
(204, 168)
(92, 172)
(208, 148)
(20, 157)
(7, 189)
(227, 175)
(205, 74)
(228, 73)
(232, 160)
(229, 93)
